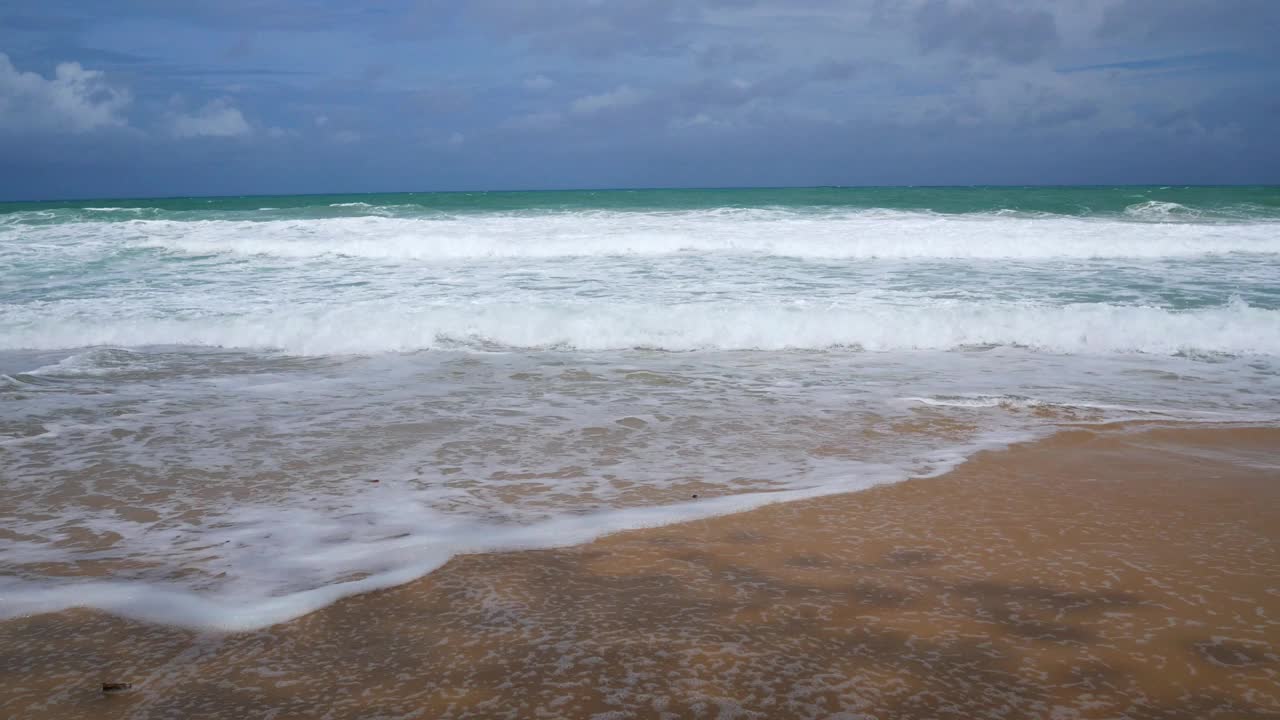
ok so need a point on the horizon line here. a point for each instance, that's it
(654, 188)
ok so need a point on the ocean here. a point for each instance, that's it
(224, 413)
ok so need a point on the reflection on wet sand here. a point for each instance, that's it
(1104, 573)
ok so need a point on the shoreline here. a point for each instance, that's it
(185, 610)
(1100, 571)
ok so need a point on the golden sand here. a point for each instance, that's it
(1117, 572)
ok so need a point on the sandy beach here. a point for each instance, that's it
(662, 359)
(1122, 571)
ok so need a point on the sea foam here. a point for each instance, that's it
(386, 327)
(242, 416)
(849, 235)
(407, 541)
(844, 234)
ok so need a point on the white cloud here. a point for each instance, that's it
(533, 121)
(73, 100)
(621, 96)
(539, 82)
(699, 121)
(218, 118)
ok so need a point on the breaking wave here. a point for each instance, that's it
(842, 235)
(864, 235)
(1235, 329)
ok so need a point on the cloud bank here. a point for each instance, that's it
(428, 94)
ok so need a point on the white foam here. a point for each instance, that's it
(977, 401)
(387, 327)
(269, 458)
(1156, 210)
(95, 362)
(1020, 402)
(851, 235)
(390, 541)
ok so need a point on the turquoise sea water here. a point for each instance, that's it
(182, 378)
(1227, 202)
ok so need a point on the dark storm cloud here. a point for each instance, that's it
(1012, 32)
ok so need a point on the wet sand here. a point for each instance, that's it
(1116, 572)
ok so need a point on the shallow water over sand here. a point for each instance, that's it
(229, 412)
(1094, 575)
(230, 490)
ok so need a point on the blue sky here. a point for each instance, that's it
(155, 97)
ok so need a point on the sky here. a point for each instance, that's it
(165, 98)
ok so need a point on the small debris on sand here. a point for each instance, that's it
(117, 687)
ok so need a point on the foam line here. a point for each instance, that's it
(363, 328)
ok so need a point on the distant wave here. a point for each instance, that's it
(1161, 211)
(880, 234)
(1235, 329)
(1133, 205)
